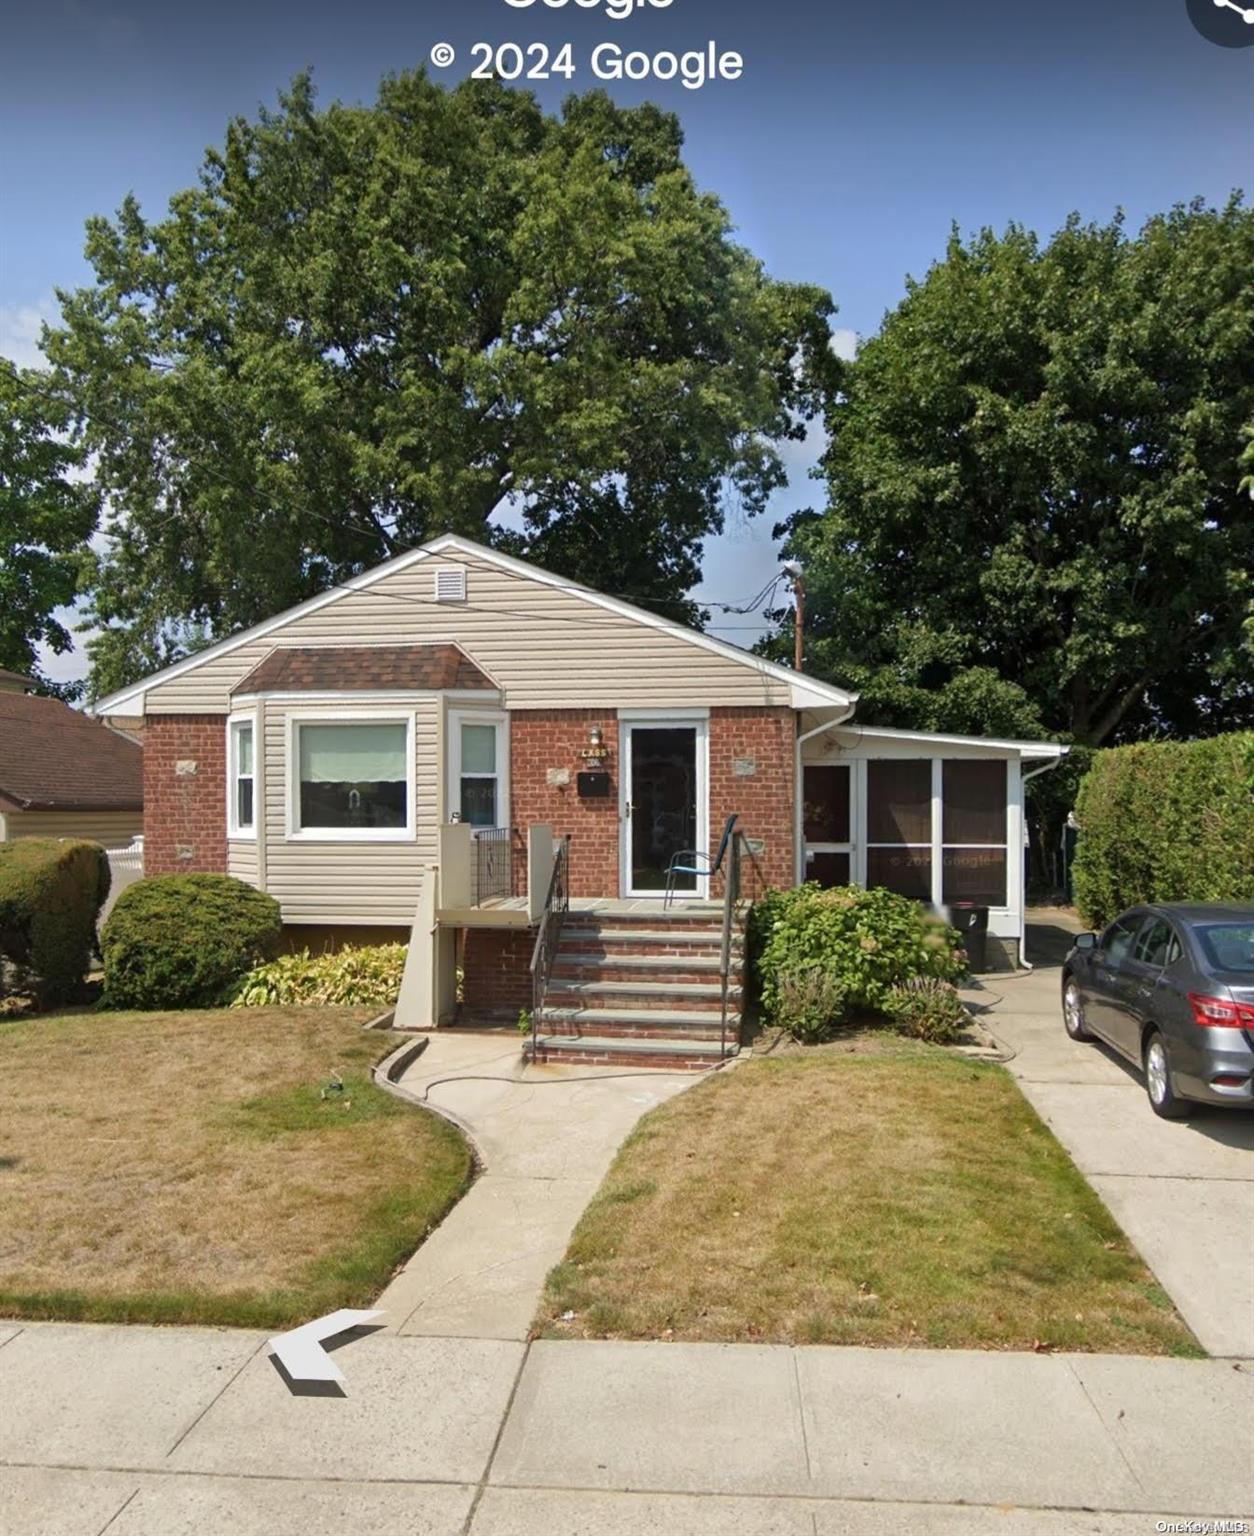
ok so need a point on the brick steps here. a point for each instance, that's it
(694, 995)
(641, 988)
(625, 1023)
(613, 1051)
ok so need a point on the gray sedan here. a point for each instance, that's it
(1171, 987)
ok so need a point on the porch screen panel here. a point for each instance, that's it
(899, 826)
(826, 812)
(974, 830)
(828, 869)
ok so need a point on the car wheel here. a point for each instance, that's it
(1073, 1012)
(1162, 1096)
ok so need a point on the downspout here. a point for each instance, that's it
(798, 795)
(1024, 963)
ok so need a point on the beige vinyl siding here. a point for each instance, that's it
(547, 649)
(112, 828)
(241, 859)
(341, 882)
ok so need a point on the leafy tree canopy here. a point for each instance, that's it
(370, 324)
(46, 516)
(1035, 514)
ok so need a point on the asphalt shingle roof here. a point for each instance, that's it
(378, 668)
(54, 758)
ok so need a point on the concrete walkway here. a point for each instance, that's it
(545, 1137)
(1182, 1190)
(171, 1432)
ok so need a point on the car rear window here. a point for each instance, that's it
(1228, 946)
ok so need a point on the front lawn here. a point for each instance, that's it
(872, 1192)
(186, 1167)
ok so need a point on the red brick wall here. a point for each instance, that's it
(760, 741)
(184, 813)
(496, 972)
(549, 741)
(752, 770)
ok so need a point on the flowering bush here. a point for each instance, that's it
(927, 1008)
(809, 1004)
(366, 977)
(867, 942)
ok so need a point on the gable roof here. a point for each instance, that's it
(806, 692)
(377, 668)
(54, 758)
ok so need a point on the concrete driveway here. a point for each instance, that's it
(1182, 1190)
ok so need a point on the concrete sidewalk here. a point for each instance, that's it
(1182, 1190)
(157, 1432)
(546, 1136)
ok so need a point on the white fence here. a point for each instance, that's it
(125, 866)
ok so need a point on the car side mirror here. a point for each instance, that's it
(1085, 941)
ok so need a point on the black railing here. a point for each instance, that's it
(491, 865)
(548, 936)
(731, 900)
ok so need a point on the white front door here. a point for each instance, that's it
(664, 802)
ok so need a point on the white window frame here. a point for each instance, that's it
(295, 833)
(628, 721)
(453, 793)
(236, 832)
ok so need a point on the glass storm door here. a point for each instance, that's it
(663, 810)
(827, 823)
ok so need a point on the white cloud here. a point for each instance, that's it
(19, 331)
(845, 343)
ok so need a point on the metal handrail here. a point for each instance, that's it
(548, 936)
(731, 898)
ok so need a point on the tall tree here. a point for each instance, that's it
(1035, 516)
(46, 517)
(367, 325)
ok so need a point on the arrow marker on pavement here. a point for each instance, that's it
(301, 1352)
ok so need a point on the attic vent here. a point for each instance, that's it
(450, 584)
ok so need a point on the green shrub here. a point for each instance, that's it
(183, 941)
(927, 1008)
(1166, 821)
(866, 941)
(51, 893)
(368, 976)
(809, 1004)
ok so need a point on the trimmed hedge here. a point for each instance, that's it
(1166, 821)
(185, 941)
(51, 893)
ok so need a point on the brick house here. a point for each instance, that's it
(409, 752)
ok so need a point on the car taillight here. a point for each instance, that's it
(1220, 1012)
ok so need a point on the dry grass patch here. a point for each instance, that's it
(875, 1192)
(184, 1167)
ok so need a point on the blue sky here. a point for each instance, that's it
(856, 135)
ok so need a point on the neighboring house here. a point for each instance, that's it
(63, 774)
(412, 728)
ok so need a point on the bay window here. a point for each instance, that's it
(352, 778)
(241, 779)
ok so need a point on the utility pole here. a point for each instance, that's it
(795, 571)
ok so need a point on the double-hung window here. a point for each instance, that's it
(242, 806)
(479, 769)
(352, 779)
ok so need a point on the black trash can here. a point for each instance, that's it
(972, 923)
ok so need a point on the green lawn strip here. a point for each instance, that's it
(295, 1119)
(899, 1196)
